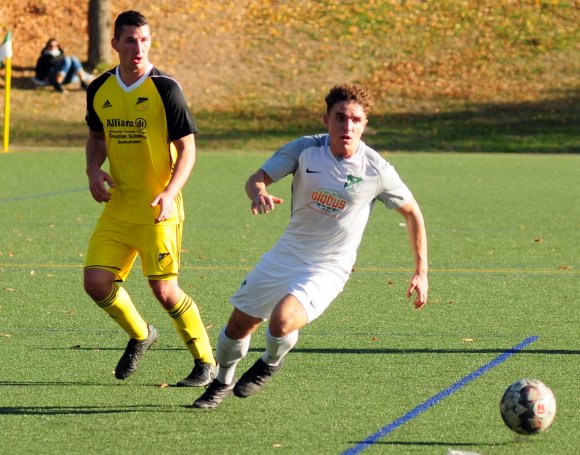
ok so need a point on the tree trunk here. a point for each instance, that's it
(99, 33)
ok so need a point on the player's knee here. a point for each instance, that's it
(97, 290)
(240, 325)
(163, 297)
(287, 318)
(98, 285)
(167, 293)
(281, 327)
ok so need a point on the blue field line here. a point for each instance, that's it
(42, 195)
(437, 398)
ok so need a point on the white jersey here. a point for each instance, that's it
(331, 201)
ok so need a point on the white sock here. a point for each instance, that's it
(228, 354)
(277, 348)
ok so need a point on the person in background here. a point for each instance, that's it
(139, 121)
(336, 181)
(55, 68)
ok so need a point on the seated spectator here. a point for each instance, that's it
(55, 68)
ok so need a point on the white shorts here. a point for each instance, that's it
(270, 281)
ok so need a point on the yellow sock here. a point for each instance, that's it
(120, 307)
(187, 321)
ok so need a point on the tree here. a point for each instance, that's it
(99, 33)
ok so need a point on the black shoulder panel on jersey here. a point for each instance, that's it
(91, 116)
(180, 121)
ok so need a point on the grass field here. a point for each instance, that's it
(504, 254)
(504, 231)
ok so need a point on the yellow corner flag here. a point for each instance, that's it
(6, 54)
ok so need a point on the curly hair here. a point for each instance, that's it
(349, 92)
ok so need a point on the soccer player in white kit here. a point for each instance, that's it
(336, 180)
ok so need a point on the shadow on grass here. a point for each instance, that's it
(546, 126)
(430, 351)
(543, 126)
(22, 82)
(358, 351)
(74, 410)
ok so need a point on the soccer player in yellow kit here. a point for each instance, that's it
(138, 119)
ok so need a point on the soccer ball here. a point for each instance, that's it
(528, 406)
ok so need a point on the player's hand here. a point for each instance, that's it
(166, 205)
(420, 286)
(264, 203)
(98, 181)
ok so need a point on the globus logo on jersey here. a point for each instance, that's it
(139, 123)
(328, 200)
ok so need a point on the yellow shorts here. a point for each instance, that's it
(115, 244)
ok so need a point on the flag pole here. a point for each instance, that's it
(6, 54)
(7, 103)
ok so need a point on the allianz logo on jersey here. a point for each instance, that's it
(139, 123)
(328, 200)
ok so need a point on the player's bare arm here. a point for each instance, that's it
(96, 154)
(418, 239)
(186, 154)
(256, 189)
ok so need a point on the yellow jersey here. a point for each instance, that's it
(139, 123)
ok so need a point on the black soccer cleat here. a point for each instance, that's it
(133, 352)
(213, 395)
(253, 380)
(201, 375)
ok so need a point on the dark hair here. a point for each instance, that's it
(349, 92)
(47, 44)
(131, 18)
